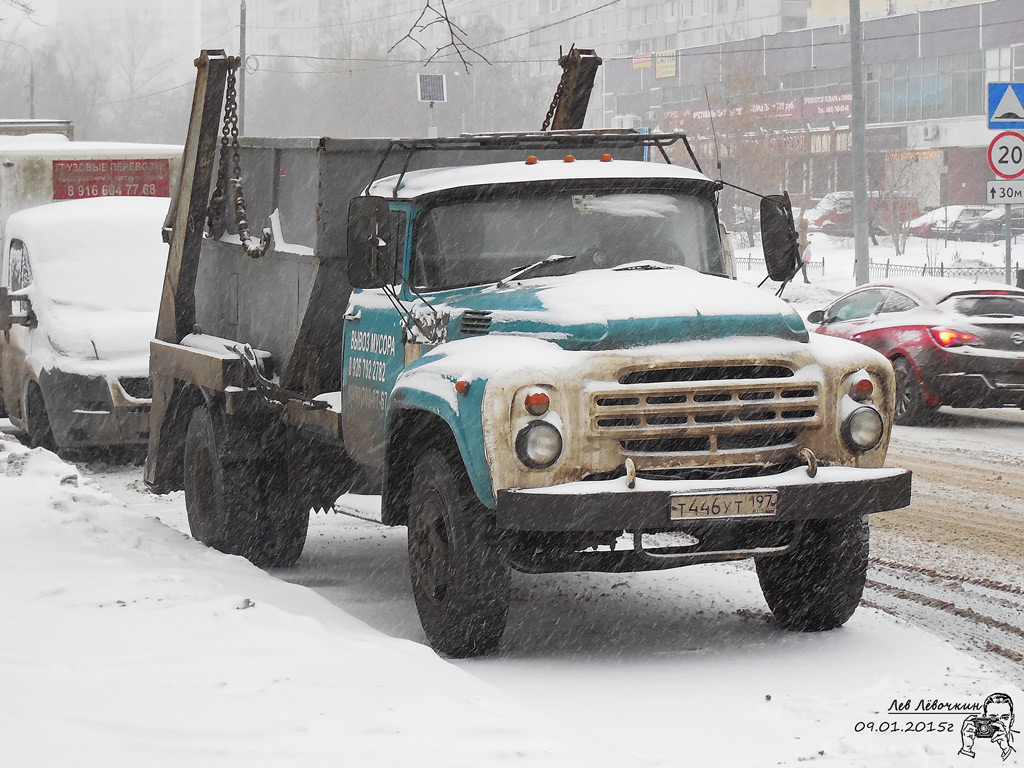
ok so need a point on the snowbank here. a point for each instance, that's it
(125, 643)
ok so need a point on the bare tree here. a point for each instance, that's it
(433, 17)
(750, 152)
(899, 187)
(24, 7)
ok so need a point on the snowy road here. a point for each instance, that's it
(952, 562)
(620, 660)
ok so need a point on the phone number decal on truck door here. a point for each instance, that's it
(76, 179)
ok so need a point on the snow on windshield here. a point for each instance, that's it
(650, 206)
(480, 241)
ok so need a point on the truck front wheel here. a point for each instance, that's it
(460, 580)
(237, 501)
(817, 586)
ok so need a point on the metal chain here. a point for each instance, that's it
(559, 91)
(215, 212)
(230, 132)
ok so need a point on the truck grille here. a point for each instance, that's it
(706, 415)
(476, 322)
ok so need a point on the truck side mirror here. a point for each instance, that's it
(778, 237)
(8, 317)
(369, 265)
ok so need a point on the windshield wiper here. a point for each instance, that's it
(641, 266)
(518, 272)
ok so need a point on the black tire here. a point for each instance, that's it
(237, 500)
(37, 419)
(911, 409)
(460, 579)
(817, 586)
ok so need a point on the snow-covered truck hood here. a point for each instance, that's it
(608, 309)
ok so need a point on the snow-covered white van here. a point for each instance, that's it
(82, 280)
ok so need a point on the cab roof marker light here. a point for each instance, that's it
(570, 158)
(531, 160)
(606, 158)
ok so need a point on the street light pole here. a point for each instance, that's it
(31, 77)
(858, 129)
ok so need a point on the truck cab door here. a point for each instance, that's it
(374, 353)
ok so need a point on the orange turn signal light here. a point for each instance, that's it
(537, 403)
(862, 389)
(462, 387)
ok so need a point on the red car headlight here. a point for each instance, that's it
(948, 337)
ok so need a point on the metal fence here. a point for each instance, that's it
(757, 262)
(883, 271)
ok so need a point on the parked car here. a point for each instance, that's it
(990, 226)
(833, 214)
(82, 280)
(951, 342)
(947, 221)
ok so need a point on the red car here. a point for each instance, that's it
(951, 342)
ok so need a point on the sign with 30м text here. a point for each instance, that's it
(77, 179)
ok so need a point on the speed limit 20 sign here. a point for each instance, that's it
(1006, 154)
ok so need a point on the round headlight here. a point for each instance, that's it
(863, 429)
(539, 444)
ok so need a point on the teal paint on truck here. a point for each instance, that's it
(463, 418)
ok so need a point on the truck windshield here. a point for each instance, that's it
(481, 241)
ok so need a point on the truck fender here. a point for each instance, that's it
(170, 452)
(419, 419)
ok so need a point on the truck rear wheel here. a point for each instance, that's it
(817, 586)
(239, 505)
(460, 579)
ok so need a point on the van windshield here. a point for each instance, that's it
(481, 241)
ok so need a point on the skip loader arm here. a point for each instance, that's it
(579, 69)
(183, 231)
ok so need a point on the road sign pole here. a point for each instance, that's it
(1009, 237)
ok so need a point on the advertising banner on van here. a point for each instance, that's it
(77, 179)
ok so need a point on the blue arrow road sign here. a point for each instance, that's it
(1005, 105)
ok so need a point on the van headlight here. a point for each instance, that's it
(539, 444)
(863, 429)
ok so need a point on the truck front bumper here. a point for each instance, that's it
(610, 505)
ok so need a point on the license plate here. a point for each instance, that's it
(716, 505)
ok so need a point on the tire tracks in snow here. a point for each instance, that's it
(951, 562)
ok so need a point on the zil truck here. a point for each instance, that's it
(530, 345)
